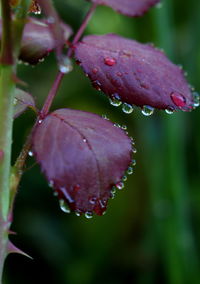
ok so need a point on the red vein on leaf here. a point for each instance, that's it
(87, 143)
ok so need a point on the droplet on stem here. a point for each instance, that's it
(65, 66)
(30, 153)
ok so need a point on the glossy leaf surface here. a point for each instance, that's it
(38, 41)
(83, 156)
(136, 73)
(133, 8)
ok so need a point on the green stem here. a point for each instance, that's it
(6, 122)
(6, 112)
(9, 47)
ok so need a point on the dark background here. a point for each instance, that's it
(150, 233)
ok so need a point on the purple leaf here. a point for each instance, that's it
(135, 73)
(83, 156)
(133, 8)
(54, 24)
(22, 100)
(38, 41)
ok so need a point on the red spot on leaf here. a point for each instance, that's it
(178, 99)
(82, 156)
(109, 61)
(146, 77)
(95, 70)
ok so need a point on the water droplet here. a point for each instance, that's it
(15, 101)
(196, 99)
(95, 70)
(117, 125)
(134, 150)
(120, 185)
(124, 127)
(63, 206)
(97, 85)
(127, 108)
(132, 141)
(113, 189)
(110, 61)
(51, 183)
(129, 171)
(50, 20)
(112, 195)
(115, 100)
(169, 110)
(38, 12)
(84, 140)
(30, 153)
(92, 200)
(104, 116)
(88, 214)
(133, 162)
(65, 66)
(40, 121)
(178, 99)
(41, 60)
(147, 110)
(124, 178)
(102, 203)
(78, 214)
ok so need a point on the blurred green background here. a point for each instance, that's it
(150, 233)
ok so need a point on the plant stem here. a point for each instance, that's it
(82, 27)
(51, 95)
(60, 75)
(6, 121)
(19, 164)
(6, 111)
(9, 47)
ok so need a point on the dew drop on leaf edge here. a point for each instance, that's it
(196, 99)
(120, 185)
(147, 110)
(64, 206)
(88, 214)
(115, 100)
(127, 108)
